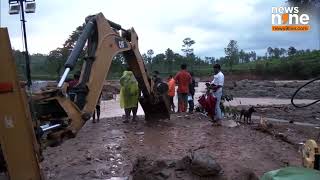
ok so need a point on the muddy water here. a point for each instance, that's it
(254, 101)
(265, 101)
(111, 108)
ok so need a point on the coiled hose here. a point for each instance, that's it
(293, 96)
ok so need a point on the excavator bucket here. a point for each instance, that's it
(156, 111)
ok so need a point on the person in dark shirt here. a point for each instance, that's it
(97, 110)
(192, 90)
(72, 84)
(156, 78)
(75, 80)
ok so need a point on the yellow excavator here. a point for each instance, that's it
(24, 119)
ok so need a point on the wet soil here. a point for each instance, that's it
(309, 114)
(110, 148)
(276, 89)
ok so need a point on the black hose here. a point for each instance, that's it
(292, 98)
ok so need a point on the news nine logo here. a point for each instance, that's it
(289, 19)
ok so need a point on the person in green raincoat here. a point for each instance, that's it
(129, 95)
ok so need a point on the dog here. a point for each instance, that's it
(247, 115)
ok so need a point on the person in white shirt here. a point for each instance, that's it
(217, 85)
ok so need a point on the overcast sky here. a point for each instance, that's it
(163, 24)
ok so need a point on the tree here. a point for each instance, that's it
(71, 41)
(57, 57)
(210, 60)
(242, 55)
(186, 47)
(308, 51)
(232, 53)
(170, 58)
(159, 58)
(56, 60)
(145, 58)
(150, 53)
(270, 51)
(276, 52)
(305, 5)
(253, 55)
(283, 52)
(292, 51)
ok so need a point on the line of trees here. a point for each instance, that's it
(50, 66)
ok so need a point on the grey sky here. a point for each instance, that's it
(163, 24)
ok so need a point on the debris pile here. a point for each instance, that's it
(197, 164)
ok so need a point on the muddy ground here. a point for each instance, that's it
(110, 148)
(277, 89)
(309, 114)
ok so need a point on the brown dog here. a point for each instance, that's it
(247, 115)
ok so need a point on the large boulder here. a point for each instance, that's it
(202, 164)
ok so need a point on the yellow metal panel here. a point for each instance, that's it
(107, 49)
(16, 132)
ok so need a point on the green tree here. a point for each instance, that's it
(242, 55)
(186, 47)
(150, 53)
(283, 52)
(292, 51)
(305, 5)
(57, 57)
(56, 60)
(232, 53)
(170, 58)
(74, 36)
(276, 52)
(270, 51)
(253, 55)
(145, 58)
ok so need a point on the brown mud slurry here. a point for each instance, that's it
(110, 148)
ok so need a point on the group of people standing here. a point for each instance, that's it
(129, 92)
(186, 90)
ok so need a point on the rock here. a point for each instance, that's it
(229, 123)
(165, 173)
(246, 174)
(179, 174)
(139, 133)
(119, 178)
(202, 164)
(183, 164)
